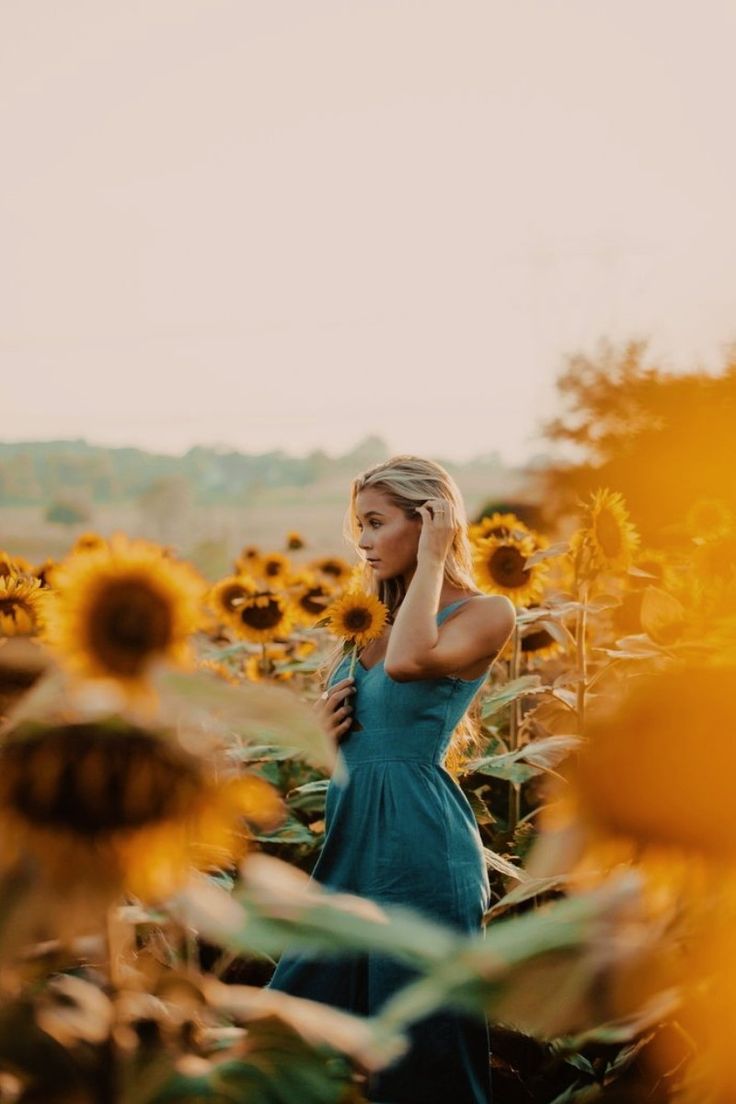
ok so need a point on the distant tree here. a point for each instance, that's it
(664, 440)
(68, 512)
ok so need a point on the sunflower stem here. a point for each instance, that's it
(264, 662)
(353, 658)
(514, 787)
(580, 652)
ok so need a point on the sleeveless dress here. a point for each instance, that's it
(398, 829)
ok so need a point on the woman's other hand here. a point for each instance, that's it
(334, 709)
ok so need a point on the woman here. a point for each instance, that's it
(399, 829)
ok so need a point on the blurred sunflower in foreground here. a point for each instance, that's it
(125, 808)
(116, 609)
(651, 787)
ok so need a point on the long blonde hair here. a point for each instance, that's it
(408, 481)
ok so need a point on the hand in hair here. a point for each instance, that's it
(439, 526)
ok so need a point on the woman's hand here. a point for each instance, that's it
(334, 711)
(438, 529)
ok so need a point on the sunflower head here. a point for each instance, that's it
(274, 568)
(88, 542)
(229, 593)
(249, 560)
(120, 804)
(14, 565)
(336, 570)
(21, 604)
(609, 537)
(500, 568)
(294, 541)
(115, 610)
(357, 617)
(263, 616)
(310, 596)
(498, 525)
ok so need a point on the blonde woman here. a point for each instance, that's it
(398, 828)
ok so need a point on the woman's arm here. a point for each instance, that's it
(417, 647)
(477, 631)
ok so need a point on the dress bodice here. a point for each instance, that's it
(412, 720)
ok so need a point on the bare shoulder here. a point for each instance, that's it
(491, 615)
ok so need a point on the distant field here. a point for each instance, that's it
(212, 535)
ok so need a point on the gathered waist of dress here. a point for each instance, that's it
(384, 745)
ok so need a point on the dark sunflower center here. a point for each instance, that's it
(314, 600)
(261, 617)
(331, 567)
(11, 605)
(129, 623)
(506, 566)
(536, 640)
(357, 620)
(608, 533)
(271, 568)
(92, 782)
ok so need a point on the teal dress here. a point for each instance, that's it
(398, 829)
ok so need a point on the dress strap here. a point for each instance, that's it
(452, 605)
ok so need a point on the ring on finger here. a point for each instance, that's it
(325, 695)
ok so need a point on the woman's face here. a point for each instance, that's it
(388, 538)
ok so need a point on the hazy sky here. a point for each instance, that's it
(289, 224)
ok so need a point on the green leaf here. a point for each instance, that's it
(502, 696)
(256, 711)
(532, 887)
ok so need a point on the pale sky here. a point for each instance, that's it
(290, 223)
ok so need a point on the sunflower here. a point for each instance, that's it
(21, 598)
(607, 534)
(249, 560)
(116, 609)
(336, 570)
(357, 617)
(294, 541)
(14, 565)
(499, 564)
(498, 525)
(229, 593)
(88, 542)
(709, 518)
(310, 598)
(262, 616)
(274, 568)
(116, 807)
(538, 644)
(45, 571)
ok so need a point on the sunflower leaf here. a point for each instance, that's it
(558, 549)
(256, 712)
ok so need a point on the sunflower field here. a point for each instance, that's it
(162, 789)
